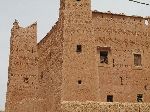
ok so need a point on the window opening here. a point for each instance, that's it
(26, 80)
(109, 98)
(104, 57)
(79, 81)
(42, 75)
(139, 97)
(79, 48)
(137, 59)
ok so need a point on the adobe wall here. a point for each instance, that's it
(104, 107)
(124, 35)
(22, 71)
(50, 66)
(79, 83)
(30, 105)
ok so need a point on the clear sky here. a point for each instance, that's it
(45, 12)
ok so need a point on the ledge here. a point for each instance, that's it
(90, 106)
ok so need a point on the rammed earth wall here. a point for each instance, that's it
(42, 75)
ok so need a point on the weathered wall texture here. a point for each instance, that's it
(23, 69)
(125, 36)
(31, 105)
(78, 66)
(50, 66)
(66, 64)
(104, 107)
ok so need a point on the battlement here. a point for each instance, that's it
(30, 27)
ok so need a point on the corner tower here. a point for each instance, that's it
(80, 73)
(22, 72)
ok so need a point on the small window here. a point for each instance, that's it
(139, 97)
(109, 98)
(104, 57)
(26, 80)
(79, 81)
(137, 59)
(79, 48)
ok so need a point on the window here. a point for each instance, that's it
(79, 81)
(104, 54)
(137, 59)
(32, 50)
(109, 98)
(26, 80)
(139, 97)
(104, 57)
(42, 75)
(79, 48)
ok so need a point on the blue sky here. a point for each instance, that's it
(45, 12)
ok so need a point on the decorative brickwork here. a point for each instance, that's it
(87, 56)
(104, 107)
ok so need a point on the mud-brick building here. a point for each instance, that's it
(87, 58)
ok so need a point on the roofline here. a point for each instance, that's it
(121, 14)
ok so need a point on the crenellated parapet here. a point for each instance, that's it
(23, 66)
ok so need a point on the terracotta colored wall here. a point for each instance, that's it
(77, 30)
(50, 66)
(22, 72)
(53, 67)
(125, 36)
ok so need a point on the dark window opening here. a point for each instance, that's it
(121, 80)
(79, 81)
(104, 57)
(78, 0)
(41, 75)
(109, 98)
(137, 59)
(32, 50)
(26, 80)
(140, 98)
(79, 48)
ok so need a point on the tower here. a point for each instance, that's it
(22, 72)
(80, 73)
